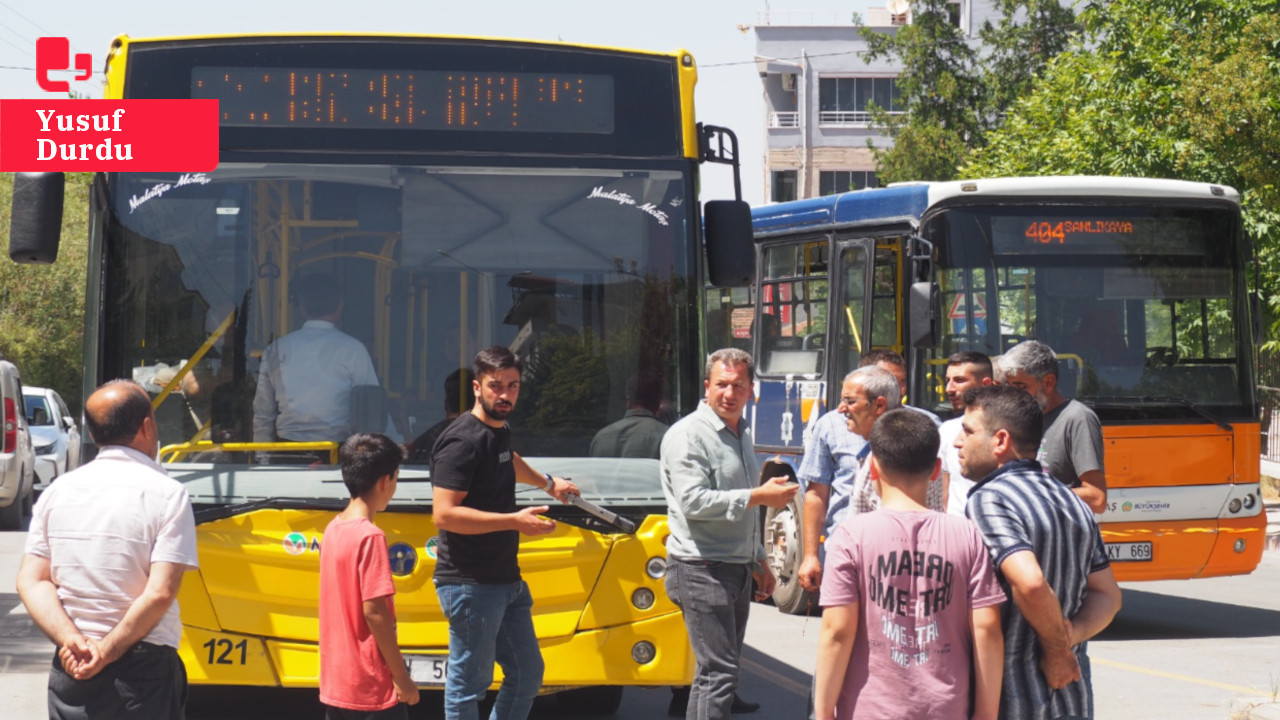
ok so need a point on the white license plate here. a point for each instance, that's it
(1129, 552)
(428, 669)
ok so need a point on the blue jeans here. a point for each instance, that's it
(489, 623)
(715, 598)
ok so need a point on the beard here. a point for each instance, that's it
(499, 410)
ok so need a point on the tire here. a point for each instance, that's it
(784, 547)
(599, 700)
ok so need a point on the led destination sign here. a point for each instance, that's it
(408, 99)
(1140, 233)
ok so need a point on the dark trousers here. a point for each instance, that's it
(715, 598)
(148, 682)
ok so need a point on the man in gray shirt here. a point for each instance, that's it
(710, 479)
(1071, 450)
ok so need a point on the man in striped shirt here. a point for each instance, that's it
(1045, 545)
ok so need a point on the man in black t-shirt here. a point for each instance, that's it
(477, 577)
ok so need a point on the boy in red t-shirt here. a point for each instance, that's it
(362, 673)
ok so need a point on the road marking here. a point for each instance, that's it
(776, 678)
(1174, 676)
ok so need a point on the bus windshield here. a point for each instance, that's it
(579, 271)
(1143, 304)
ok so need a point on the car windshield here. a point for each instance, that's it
(39, 413)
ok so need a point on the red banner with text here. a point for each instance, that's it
(75, 135)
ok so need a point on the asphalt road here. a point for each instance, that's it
(1179, 649)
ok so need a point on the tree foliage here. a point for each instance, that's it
(42, 306)
(940, 86)
(1187, 89)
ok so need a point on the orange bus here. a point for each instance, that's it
(1139, 285)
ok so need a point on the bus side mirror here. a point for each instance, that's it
(922, 309)
(36, 222)
(731, 257)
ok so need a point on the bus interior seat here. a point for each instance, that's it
(1210, 384)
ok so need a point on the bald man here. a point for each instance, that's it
(105, 555)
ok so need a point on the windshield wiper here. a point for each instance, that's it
(1166, 399)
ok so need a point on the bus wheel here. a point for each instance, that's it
(599, 700)
(784, 546)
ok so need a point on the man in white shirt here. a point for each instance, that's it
(105, 555)
(965, 369)
(306, 377)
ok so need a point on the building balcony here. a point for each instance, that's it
(847, 118)
(788, 119)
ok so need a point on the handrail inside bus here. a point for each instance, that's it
(196, 357)
(179, 451)
(853, 327)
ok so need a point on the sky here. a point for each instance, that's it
(717, 32)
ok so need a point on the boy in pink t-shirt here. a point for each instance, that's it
(911, 604)
(362, 673)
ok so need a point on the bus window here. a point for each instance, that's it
(852, 336)
(886, 319)
(793, 319)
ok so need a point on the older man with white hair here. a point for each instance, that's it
(1071, 450)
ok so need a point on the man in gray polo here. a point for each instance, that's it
(710, 479)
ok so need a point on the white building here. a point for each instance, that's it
(817, 87)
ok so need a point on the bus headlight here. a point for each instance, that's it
(1239, 546)
(643, 652)
(656, 568)
(642, 598)
(1249, 501)
(1234, 505)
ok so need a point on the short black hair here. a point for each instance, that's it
(875, 356)
(973, 357)
(118, 423)
(366, 457)
(644, 389)
(319, 294)
(905, 443)
(494, 358)
(1007, 408)
(453, 390)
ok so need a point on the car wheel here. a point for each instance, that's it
(784, 547)
(600, 700)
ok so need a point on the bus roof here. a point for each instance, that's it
(908, 201)
(1080, 186)
(905, 202)
(123, 40)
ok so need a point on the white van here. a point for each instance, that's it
(17, 457)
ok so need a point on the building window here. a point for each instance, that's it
(831, 182)
(847, 101)
(784, 186)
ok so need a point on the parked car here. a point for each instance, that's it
(54, 434)
(17, 457)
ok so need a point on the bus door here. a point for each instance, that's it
(790, 340)
(853, 331)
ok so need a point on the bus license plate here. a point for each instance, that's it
(1129, 552)
(428, 669)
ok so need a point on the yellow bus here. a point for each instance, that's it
(458, 193)
(1137, 284)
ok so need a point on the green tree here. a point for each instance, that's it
(1187, 89)
(42, 306)
(1027, 35)
(940, 86)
